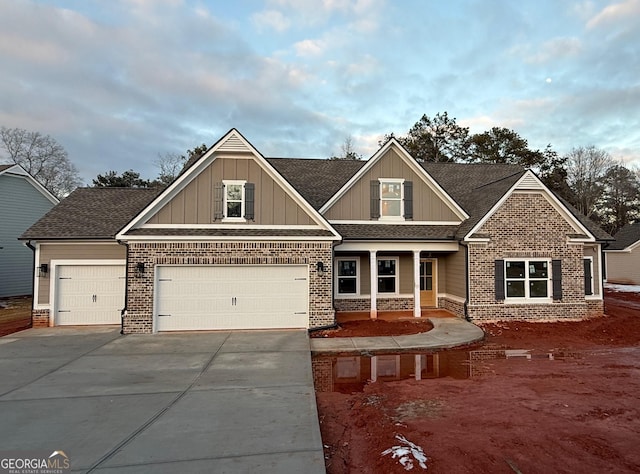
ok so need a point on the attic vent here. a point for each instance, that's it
(529, 181)
(233, 144)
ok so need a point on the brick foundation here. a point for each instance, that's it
(139, 317)
(382, 304)
(40, 318)
(456, 307)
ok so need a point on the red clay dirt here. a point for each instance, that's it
(15, 314)
(577, 413)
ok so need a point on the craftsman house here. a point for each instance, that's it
(239, 241)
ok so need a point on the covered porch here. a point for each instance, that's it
(394, 280)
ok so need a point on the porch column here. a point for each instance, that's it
(416, 284)
(373, 265)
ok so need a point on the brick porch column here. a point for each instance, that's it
(373, 265)
(416, 284)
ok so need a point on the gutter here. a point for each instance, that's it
(33, 266)
(466, 276)
(123, 312)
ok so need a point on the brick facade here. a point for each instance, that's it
(527, 226)
(382, 304)
(140, 297)
(454, 306)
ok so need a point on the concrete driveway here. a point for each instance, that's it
(182, 402)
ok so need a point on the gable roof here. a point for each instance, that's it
(626, 237)
(19, 171)
(412, 163)
(231, 143)
(91, 213)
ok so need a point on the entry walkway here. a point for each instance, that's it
(446, 334)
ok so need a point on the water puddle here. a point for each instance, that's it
(350, 373)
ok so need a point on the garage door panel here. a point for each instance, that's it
(232, 297)
(89, 294)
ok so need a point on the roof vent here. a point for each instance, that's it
(233, 144)
(529, 181)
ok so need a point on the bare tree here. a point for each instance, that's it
(586, 168)
(42, 157)
(170, 165)
(347, 150)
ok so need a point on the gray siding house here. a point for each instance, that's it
(22, 202)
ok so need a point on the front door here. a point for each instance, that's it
(427, 283)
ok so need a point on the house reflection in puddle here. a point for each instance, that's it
(348, 374)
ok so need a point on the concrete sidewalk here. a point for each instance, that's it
(446, 333)
(224, 402)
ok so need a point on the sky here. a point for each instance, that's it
(120, 83)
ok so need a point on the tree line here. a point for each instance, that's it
(601, 188)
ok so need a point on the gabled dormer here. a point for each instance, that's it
(392, 188)
(230, 190)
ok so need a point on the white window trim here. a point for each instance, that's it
(527, 299)
(227, 183)
(380, 294)
(394, 181)
(357, 277)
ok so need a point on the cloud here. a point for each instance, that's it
(555, 49)
(271, 19)
(309, 47)
(626, 12)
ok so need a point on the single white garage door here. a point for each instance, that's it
(89, 294)
(231, 297)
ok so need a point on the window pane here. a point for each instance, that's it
(515, 289)
(538, 289)
(390, 190)
(346, 285)
(234, 209)
(387, 285)
(538, 270)
(515, 269)
(386, 267)
(234, 192)
(347, 268)
(390, 208)
(429, 283)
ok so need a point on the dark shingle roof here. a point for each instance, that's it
(317, 180)
(625, 237)
(396, 232)
(4, 167)
(91, 213)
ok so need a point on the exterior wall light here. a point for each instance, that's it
(320, 267)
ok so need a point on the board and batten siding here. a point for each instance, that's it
(592, 251)
(355, 203)
(77, 251)
(455, 280)
(194, 204)
(21, 205)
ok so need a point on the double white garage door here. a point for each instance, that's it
(231, 297)
(190, 297)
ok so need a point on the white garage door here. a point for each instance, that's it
(89, 294)
(232, 297)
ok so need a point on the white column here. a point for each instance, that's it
(416, 284)
(373, 265)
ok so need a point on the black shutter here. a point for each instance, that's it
(499, 275)
(375, 199)
(556, 277)
(588, 281)
(218, 201)
(408, 200)
(249, 198)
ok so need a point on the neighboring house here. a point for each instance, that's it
(239, 241)
(22, 202)
(622, 257)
